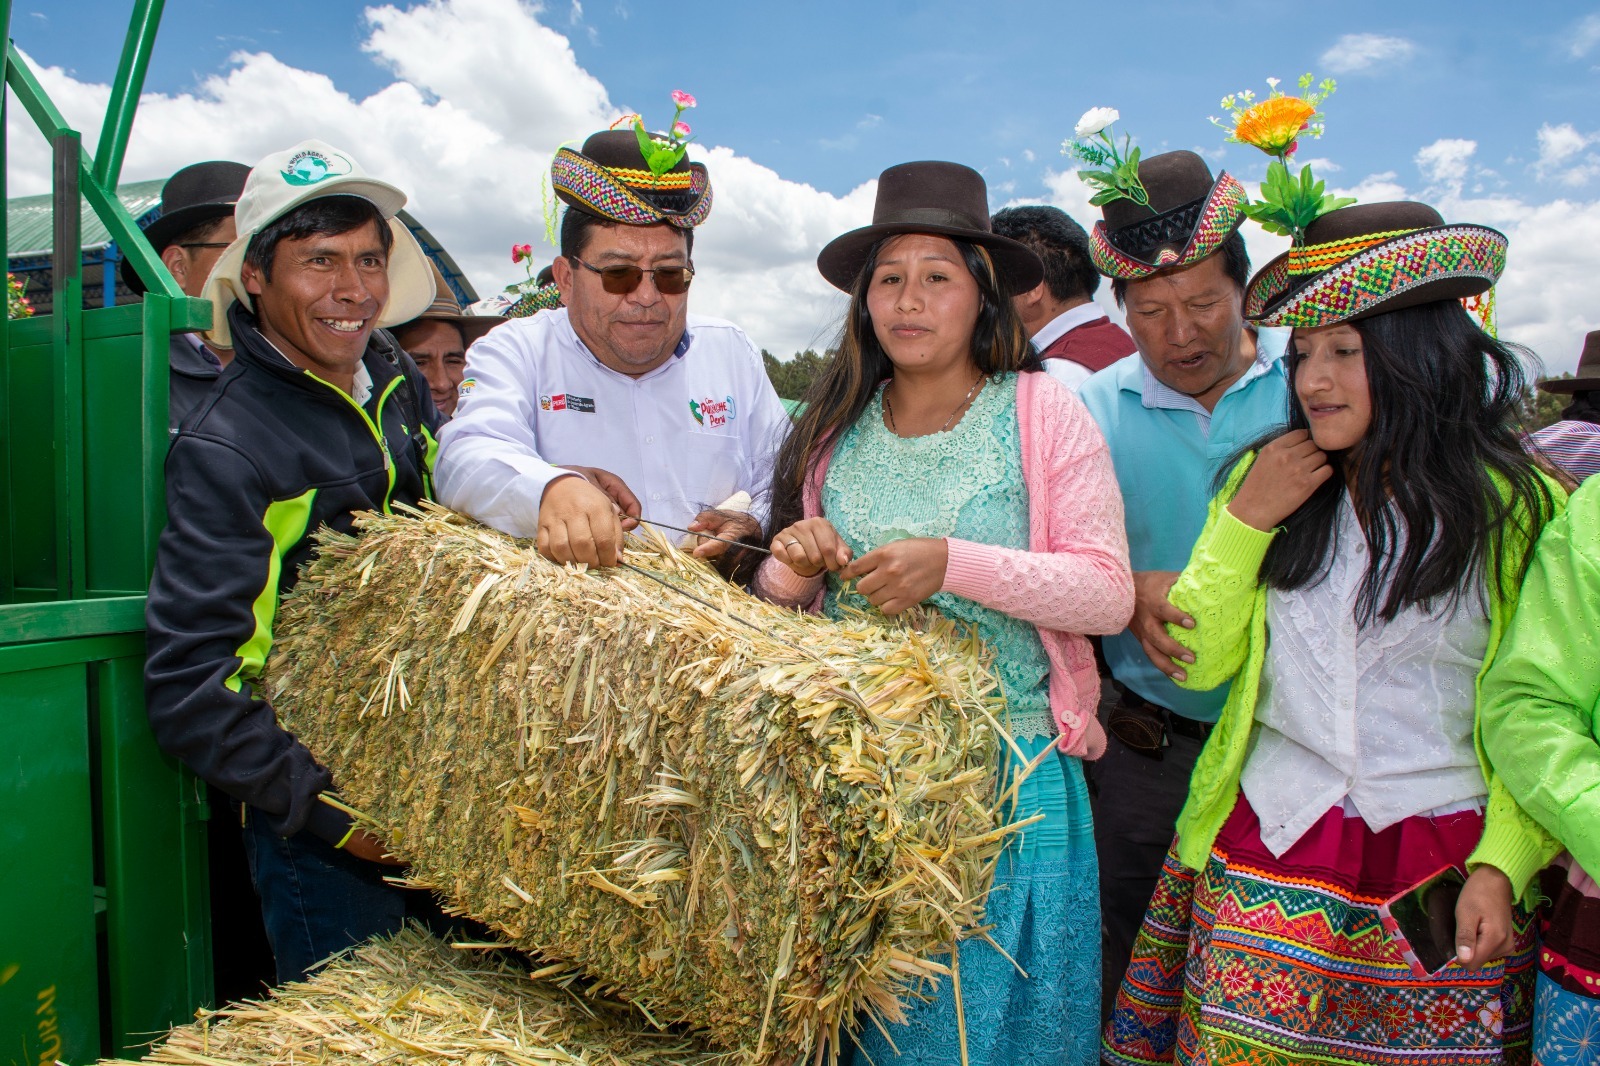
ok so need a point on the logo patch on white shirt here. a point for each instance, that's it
(712, 413)
(565, 401)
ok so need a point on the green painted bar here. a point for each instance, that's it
(49, 986)
(20, 658)
(148, 808)
(60, 619)
(136, 50)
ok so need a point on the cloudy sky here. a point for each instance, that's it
(1486, 110)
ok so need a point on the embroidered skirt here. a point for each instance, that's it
(1566, 1012)
(1262, 960)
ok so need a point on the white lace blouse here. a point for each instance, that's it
(1379, 719)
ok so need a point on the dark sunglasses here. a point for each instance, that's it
(621, 280)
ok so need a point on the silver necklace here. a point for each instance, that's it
(888, 407)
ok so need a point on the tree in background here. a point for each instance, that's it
(1540, 408)
(791, 377)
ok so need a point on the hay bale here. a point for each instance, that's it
(740, 818)
(411, 999)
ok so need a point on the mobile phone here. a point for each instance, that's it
(1422, 921)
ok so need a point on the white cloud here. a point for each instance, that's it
(1447, 161)
(1358, 53)
(1585, 35)
(1562, 157)
(483, 95)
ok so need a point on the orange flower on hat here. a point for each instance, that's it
(1274, 124)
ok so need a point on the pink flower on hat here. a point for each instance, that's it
(681, 129)
(682, 99)
(519, 252)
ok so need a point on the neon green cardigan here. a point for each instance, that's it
(1220, 590)
(1541, 699)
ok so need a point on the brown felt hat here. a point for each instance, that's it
(942, 199)
(1188, 217)
(610, 179)
(1588, 376)
(446, 308)
(1373, 258)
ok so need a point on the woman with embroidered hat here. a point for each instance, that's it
(1353, 581)
(936, 464)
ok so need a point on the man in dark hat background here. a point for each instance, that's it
(437, 341)
(1199, 390)
(195, 225)
(1573, 443)
(620, 400)
(1074, 336)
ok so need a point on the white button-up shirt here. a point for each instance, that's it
(686, 436)
(1380, 717)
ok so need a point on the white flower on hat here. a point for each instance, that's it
(1094, 120)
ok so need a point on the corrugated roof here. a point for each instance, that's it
(29, 223)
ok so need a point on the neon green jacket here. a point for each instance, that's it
(1538, 712)
(1220, 591)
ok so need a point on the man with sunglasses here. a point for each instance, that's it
(195, 225)
(620, 406)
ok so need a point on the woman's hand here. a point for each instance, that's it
(811, 546)
(1483, 918)
(901, 574)
(1284, 475)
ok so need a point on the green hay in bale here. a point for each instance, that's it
(411, 999)
(737, 817)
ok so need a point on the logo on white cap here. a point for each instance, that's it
(309, 166)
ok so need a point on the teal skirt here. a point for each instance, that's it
(1045, 909)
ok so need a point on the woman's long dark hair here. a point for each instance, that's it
(846, 383)
(1440, 475)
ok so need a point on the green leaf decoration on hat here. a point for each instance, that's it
(1114, 172)
(1275, 124)
(662, 152)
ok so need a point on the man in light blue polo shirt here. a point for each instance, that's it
(1201, 388)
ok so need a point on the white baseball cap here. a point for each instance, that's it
(285, 180)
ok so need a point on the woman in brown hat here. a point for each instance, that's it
(935, 464)
(1351, 878)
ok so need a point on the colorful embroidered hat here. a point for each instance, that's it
(1187, 219)
(1364, 260)
(943, 199)
(610, 178)
(1588, 376)
(546, 297)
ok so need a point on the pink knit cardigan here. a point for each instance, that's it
(1073, 579)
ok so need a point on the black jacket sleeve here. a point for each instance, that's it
(213, 600)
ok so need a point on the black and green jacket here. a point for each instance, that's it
(270, 456)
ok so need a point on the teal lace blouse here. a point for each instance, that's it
(965, 483)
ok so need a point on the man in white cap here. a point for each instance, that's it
(315, 419)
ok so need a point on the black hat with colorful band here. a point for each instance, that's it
(1368, 259)
(1186, 218)
(611, 178)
